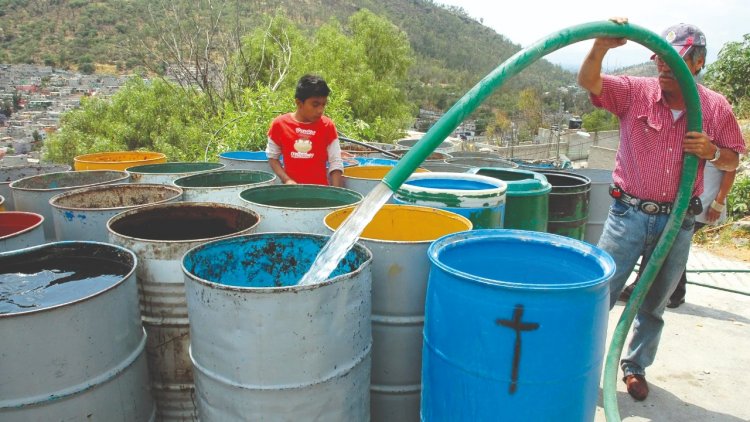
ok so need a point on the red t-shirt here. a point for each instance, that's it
(304, 147)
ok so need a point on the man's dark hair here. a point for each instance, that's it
(311, 86)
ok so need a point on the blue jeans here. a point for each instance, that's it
(629, 234)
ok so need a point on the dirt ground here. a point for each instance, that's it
(725, 241)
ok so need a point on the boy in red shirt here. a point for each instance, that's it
(306, 139)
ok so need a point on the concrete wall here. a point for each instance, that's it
(601, 158)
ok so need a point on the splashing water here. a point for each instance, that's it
(346, 235)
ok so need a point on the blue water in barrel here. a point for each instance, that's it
(245, 155)
(515, 327)
(451, 184)
(263, 260)
(367, 161)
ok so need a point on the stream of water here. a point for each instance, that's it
(346, 235)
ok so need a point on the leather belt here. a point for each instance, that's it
(648, 207)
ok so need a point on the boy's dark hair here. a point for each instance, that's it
(311, 86)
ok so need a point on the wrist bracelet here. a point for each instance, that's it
(717, 206)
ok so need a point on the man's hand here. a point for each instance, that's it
(608, 43)
(699, 144)
(290, 182)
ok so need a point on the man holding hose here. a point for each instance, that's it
(647, 173)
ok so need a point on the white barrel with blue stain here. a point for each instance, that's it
(266, 349)
(82, 214)
(481, 199)
(73, 347)
(516, 323)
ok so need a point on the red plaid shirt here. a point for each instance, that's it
(649, 159)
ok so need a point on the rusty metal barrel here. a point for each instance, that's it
(72, 341)
(160, 235)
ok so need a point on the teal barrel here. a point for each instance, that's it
(521, 339)
(527, 198)
(568, 203)
(481, 199)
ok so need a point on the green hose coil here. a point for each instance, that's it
(519, 61)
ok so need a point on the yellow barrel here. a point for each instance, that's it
(117, 160)
(363, 179)
(399, 236)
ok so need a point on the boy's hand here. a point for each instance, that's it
(290, 182)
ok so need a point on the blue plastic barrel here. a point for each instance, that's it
(515, 327)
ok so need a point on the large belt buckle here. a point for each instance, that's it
(650, 207)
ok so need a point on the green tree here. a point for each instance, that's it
(154, 116)
(730, 75)
(531, 108)
(599, 120)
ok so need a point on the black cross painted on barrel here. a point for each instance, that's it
(518, 327)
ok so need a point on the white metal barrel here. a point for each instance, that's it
(166, 173)
(82, 214)
(33, 193)
(222, 186)
(398, 237)
(266, 349)
(599, 202)
(297, 208)
(73, 345)
(13, 173)
(159, 235)
(20, 230)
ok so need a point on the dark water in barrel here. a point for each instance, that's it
(30, 286)
(174, 228)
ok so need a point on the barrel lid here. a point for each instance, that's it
(520, 182)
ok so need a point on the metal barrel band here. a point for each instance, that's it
(90, 383)
(340, 371)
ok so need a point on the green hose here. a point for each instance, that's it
(513, 66)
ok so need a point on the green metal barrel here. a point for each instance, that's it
(526, 200)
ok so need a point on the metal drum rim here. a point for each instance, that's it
(53, 201)
(27, 229)
(127, 213)
(113, 181)
(500, 186)
(301, 186)
(424, 208)
(122, 280)
(265, 290)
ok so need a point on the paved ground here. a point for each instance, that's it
(702, 370)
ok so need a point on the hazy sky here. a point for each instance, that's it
(526, 21)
